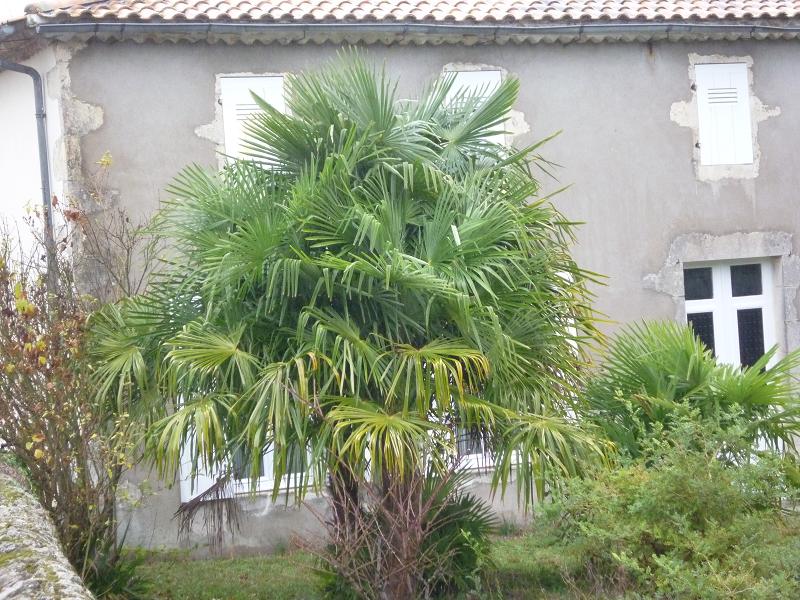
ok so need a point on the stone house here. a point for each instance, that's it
(679, 124)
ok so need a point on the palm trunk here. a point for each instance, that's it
(343, 488)
(401, 500)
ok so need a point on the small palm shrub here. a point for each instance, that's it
(691, 518)
(460, 525)
(656, 373)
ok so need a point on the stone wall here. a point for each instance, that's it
(32, 565)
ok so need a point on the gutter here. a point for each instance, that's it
(125, 29)
(44, 166)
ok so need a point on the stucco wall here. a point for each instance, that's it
(146, 510)
(630, 165)
(147, 517)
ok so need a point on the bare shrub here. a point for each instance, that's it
(113, 253)
(73, 447)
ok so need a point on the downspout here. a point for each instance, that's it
(44, 166)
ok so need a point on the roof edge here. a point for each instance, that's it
(415, 32)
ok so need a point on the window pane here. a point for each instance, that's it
(294, 460)
(751, 335)
(703, 325)
(697, 284)
(241, 465)
(470, 441)
(746, 280)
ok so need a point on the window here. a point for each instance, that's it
(241, 472)
(729, 306)
(238, 105)
(483, 83)
(191, 487)
(724, 123)
(473, 449)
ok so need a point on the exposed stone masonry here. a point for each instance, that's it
(32, 565)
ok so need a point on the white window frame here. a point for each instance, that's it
(266, 483)
(192, 487)
(237, 105)
(724, 306)
(478, 461)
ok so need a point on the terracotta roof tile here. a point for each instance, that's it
(452, 11)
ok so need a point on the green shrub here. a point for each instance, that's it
(459, 532)
(696, 516)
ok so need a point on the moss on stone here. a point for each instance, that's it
(16, 555)
(32, 564)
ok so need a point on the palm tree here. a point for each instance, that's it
(378, 278)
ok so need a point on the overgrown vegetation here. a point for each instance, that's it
(72, 446)
(442, 531)
(73, 450)
(701, 502)
(698, 515)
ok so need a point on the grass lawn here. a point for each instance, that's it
(523, 572)
(175, 577)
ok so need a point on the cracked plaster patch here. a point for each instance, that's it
(79, 118)
(685, 114)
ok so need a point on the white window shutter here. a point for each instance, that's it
(484, 81)
(238, 105)
(723, 101)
